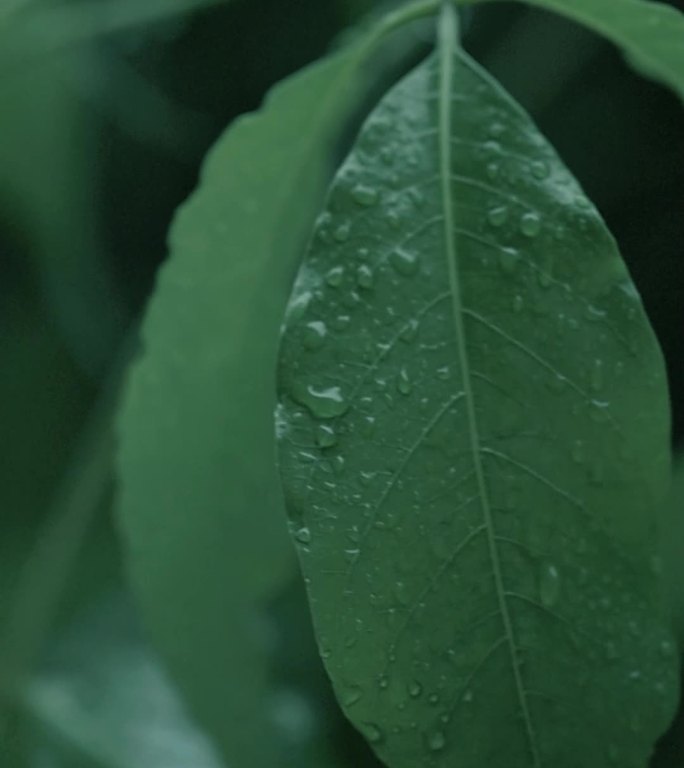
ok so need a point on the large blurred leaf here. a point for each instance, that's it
(45, 580)
(103, 700)
(46, 27)
(47, 194)
(65, 559)
(475, 432)
(201, 501)
(43, 400)
(651, 32)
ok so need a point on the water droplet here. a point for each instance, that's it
(394, 219)
(325, 436)
(387, 154)
(404, 383)
(667, 649)
(364, 195)
(530, 224)
(401, 593)
(409, 331)
(508, 260)
(366, 478)
(558, 383)
(468, 696)
(578, 454)
(341, 233)
(594, 313)
(596, 376)
(496, 130)
(324, 219)
(368, 426)
(415, 689)
(405, 263)
(599, 411)
(433, 699)
(335, 277)
(383, 682)
(351, 299)
(351, 555)
(326, 403)
(549, 585)
(436, 741)
(371, 732)
(492, 171)
(518, 304)
(298, 306)
(544, 279)
(303, 536)
(341, 322)
(540, 170)
(314, 335)
(364, 277)
(351, 696)
(498, 216)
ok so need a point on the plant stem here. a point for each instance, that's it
(420, 9)
(449, 23)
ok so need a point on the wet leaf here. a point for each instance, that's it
(673, 547)
(474, 429)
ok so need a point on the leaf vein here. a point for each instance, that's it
(447, 49)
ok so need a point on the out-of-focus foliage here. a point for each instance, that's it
(106, 109)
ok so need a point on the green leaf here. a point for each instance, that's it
(673, 547)
(200, 496)
(47, 190)
(47, 28)
(102, 698)
(650, 32)
(474, 430)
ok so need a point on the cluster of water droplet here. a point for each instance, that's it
(562, 595)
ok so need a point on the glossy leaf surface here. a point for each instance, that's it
(673, 547)
(651, 32)
(473, 428)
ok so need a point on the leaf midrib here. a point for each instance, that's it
(447, 47)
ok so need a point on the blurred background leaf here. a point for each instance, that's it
(101, 698)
